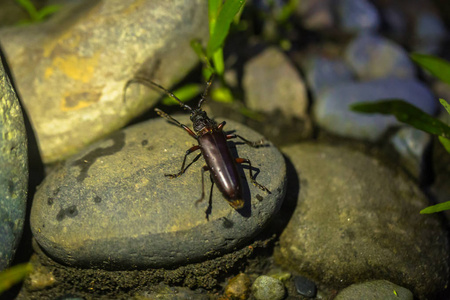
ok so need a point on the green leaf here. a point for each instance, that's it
(222, 94)
(287, 10)
(406, 113)
(226, 14)
(14, 275)
(445, 142)
(197, 46)
(436, 208)
(445, 105)
(29, 7)
(184, 93)
(435, 65)
(48, 10)
(219, 64)
(213, 11)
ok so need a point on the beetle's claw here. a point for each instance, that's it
(260, 186)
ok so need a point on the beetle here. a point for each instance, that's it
(212, 141)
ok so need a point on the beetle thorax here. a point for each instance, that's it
(201, 121)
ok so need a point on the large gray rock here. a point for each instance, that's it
(332, 112)
(356, 220)
(111, 206)
(13, 171)
(375, 290)
(373, 57)
(71, 70)
(271, 83)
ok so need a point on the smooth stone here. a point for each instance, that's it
(316, 14)
(429, 33)
(375, 290)
(268, 288)
(305, 287)
(238, 287)
(111, 206)
(357, 15)
(322, 73)
(331, 108)
(412, 145)
(356, 220)
(71, 70)
(365, 53)
(271, 83)
(13, 171)
(441, 169)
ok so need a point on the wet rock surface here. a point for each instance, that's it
(356, 220)
(111, 206)
(70, 70)
(13, 171)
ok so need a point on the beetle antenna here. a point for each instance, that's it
(150, 83)
(205, 92)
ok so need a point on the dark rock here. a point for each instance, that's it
(112, 207)
(357, 220)
(71, 69)
(13, 171)
(305, 287)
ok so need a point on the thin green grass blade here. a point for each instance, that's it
(184, 93)
(199, 50)
(445, 142)
(229, 9)
(47, 11)
(445, 105)
(14, 275)
(29, 7)
(219, 64)
(213, 11)
(436, 208)
(435, 65)
(406, 113)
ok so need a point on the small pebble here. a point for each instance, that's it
(268, 288)
(305, 287)
(238, 287)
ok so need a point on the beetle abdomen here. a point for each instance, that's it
(222, 166)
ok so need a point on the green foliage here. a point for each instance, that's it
(409, 114)
(406, 113)
(436, 208)
(14, 275)
(36, 15)
(220, 18)
(435, 65)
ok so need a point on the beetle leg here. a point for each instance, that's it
(250, 143)
(189, 151)
(255, 183)
(204, 168)
(209, 208)
(172, 120)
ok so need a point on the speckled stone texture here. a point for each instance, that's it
(111, 206)
(13, 171)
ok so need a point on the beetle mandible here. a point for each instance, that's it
(212, 141)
